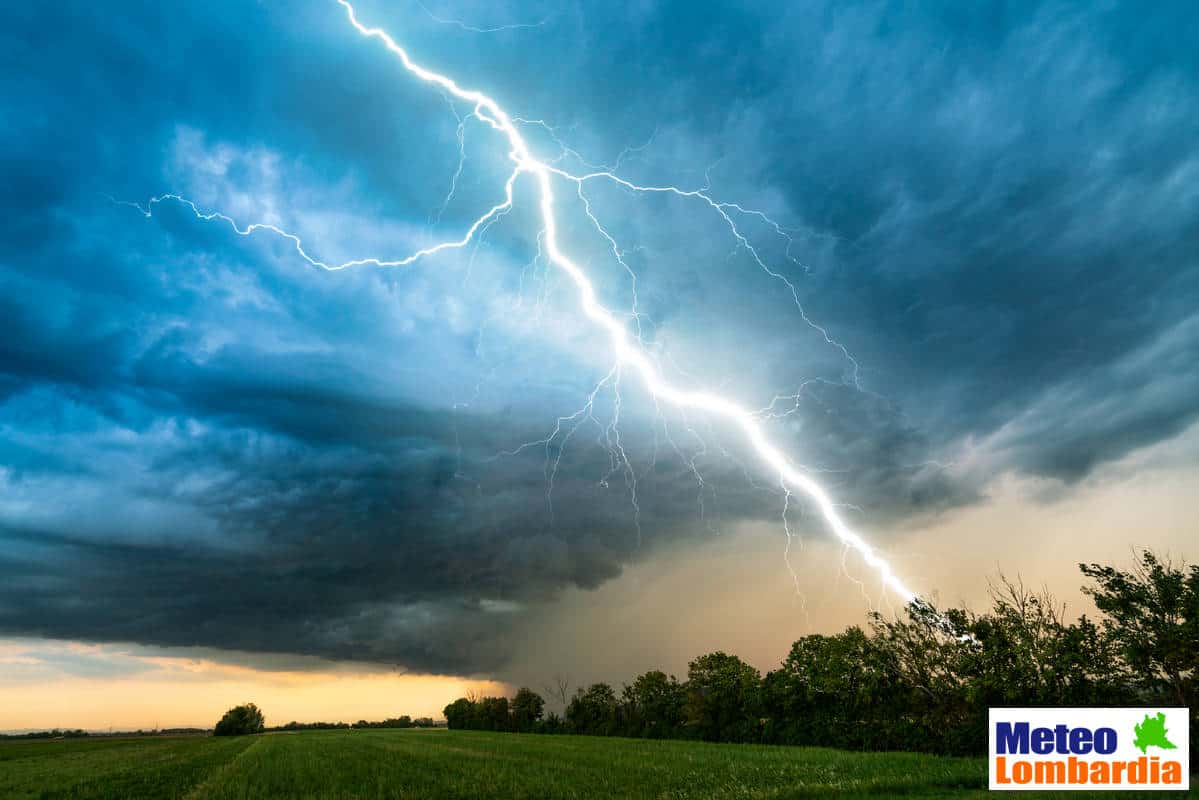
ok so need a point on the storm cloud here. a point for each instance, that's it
(991, 222)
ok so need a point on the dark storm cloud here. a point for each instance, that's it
(207, 444)
(1013, 199)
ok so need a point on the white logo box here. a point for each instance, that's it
(1127, 768)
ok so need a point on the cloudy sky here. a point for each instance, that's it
(962, 289)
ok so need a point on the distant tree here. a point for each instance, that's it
(653, 706)
(240, 721)
(833, 691)
(527, 708)
(494, 714)
(55, 733)
(723, 698)
(310, 726)
(461, 714)
(391, 722)
(593, 711)
(552, 724)
(559, 691)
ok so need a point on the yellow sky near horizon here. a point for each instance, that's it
(170, 692)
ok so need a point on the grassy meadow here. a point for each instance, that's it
(464, 764)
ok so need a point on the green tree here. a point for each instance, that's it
(494, 714)
(593, 710)
(553, 724)
(653, 706)
(461, 714)
(527, 708)
(723, 698)
(1152, 614)
(834, 691)
(1152, 617)
(240, 721)
(1026, 654)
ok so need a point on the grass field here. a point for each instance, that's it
(434, 764)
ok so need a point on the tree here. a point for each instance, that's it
(493, 714)
(653, 706)
(560, 691)
(240, 721)
(723, 698)
(527, 708)
(1152, 617)
(460, 714)
(834, 691)
(920, 682)
(1026, 654)
(593, 711)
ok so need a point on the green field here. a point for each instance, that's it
(462, 764)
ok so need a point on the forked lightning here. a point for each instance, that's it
(627, 348)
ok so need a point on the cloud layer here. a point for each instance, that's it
(206, 443)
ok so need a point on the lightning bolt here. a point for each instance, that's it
(474, 28)
(630, 354)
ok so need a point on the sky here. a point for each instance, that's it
(962, 290)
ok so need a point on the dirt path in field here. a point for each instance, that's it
(199, 789)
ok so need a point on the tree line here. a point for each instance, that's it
(247, 719)
(404, 721)
(914, 683)
(54, 733)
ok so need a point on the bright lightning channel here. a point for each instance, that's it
(628, 352)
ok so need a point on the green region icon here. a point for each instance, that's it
(1152, 733)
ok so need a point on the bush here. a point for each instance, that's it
(240, 721)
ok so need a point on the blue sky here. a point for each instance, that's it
(207, 443)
